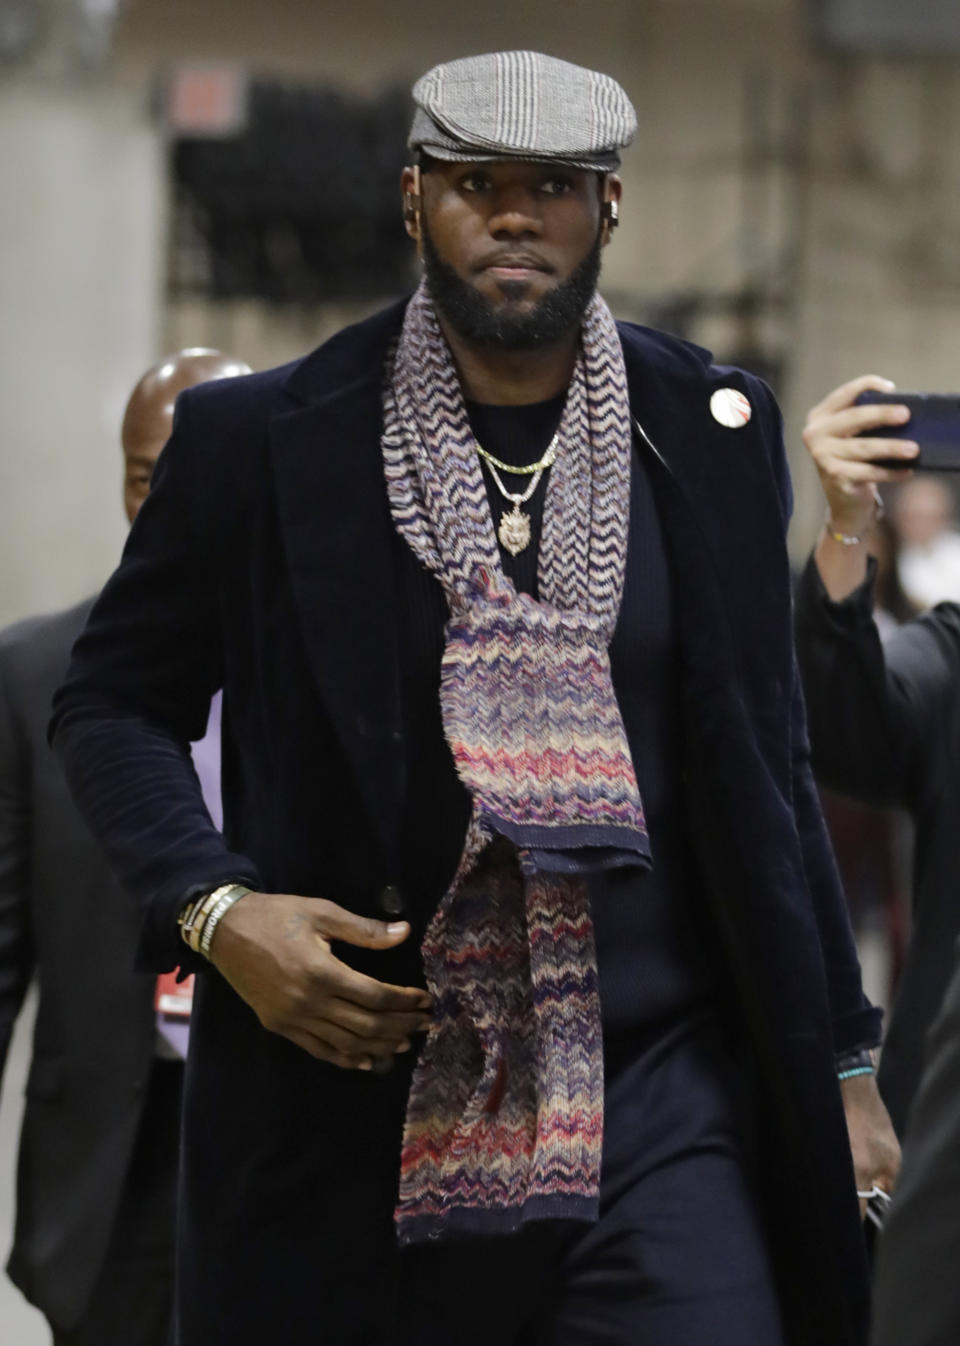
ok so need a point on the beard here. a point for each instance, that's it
(478, 320)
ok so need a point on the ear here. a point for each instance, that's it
(410, 186)
(610, 205)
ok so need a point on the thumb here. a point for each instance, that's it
(335, 922)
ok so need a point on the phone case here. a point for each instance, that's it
(934, 424)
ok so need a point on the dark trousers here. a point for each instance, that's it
(677, 1257)
(132, 1302)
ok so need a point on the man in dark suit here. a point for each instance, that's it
(672, 980)
(93, 1246)
(917, 1297)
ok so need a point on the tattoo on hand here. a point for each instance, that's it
(294, 925)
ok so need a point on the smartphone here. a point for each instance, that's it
(934, 424)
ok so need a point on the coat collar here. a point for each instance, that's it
(350, 362)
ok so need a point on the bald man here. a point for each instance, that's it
(93, 1244)
(149, 413)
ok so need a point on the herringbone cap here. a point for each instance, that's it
(521, 105)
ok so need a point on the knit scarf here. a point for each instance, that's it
(504, 1120)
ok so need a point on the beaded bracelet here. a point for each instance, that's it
(854, 539)
(859, 1062)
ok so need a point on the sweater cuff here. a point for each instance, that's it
(850, 614)
(858, 1030)
(161, 946)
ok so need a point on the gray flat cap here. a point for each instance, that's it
(521, 105)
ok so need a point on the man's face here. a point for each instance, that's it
(511, 250)
(142, 443)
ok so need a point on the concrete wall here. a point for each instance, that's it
(880, 282)
(79, 298)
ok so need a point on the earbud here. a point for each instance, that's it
(611, 214)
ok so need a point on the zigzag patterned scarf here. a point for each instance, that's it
(505, 1116)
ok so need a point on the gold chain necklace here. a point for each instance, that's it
(548, 460)
(514, 531)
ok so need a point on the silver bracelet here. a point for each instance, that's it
(232, 893)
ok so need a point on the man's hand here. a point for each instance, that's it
(274, 950)
(876, 1151)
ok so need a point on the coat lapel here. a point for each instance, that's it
(338, 537)
(728, 479)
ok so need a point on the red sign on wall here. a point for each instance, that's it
(207, 101)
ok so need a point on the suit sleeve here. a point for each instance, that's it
(875, 708)
(16, 930)
(137, 692)
(856, 1022)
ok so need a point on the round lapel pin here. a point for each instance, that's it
(730, 408)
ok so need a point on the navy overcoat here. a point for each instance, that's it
(264, 562)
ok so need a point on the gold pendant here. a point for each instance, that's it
(514, 530)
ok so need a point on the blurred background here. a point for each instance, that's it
(225, 172)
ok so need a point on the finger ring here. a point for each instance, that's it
(873, 1192)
